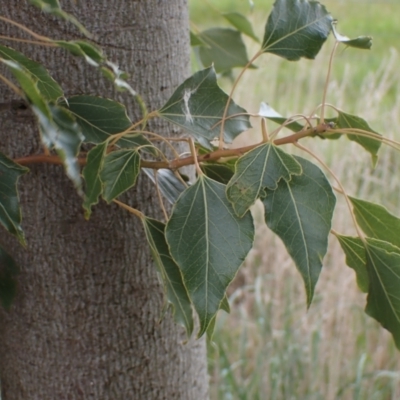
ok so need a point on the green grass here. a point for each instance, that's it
(270, 346)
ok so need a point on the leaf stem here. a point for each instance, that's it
(264, 130)
(15, 88)
(13, 39)
(160, 199)
(24, 28)
(133, 211)
(116, 136)
(221, 135)
(194, 157)
(328, 76)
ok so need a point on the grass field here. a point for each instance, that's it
(270, 346)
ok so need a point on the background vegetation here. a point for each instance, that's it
(269, 347)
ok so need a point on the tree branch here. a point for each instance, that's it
(181, 162)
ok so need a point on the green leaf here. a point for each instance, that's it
(10, 212)
(348, 121)
(241, 23)
(383, 301)
(224, 49)
(63, 133)
(300, 213)
(209, 243)
(80, 48)
(120, 171)
(8, 283)
(168, 183)
(46, 85)
(260, 168)
(221, 173)
(195, 40)
(296, 28)
(376, 221)
(354, 250)
(91, 174)
(362, 42)
(268, 112)
(171, 276)
(211, 328)
(225, 305)
(57, 126)
(198, 106)
(139, 142)
(28, 85)
(99, 118)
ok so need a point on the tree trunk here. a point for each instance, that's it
(87, 322)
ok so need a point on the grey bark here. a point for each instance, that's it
(87, 322)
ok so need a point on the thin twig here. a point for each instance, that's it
(13, 39)
(133, 211)
(221, 135)
(15, 88)
(24, 28)
(328, 76)
(160, 199)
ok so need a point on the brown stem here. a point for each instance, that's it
(181, 162)
(56, 160)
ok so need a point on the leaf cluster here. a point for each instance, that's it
(204, 240)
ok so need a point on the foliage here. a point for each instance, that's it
(201, 245)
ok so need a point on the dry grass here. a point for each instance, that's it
(270, 347)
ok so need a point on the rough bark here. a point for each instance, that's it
(87, 320)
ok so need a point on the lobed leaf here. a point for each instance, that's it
(209, 243)
(198, 106)
(354, 250)
(171, 276)
(10, 212)
(8, 282)
(383, 301)
(224, 49)
(260, 168)
(46, 85)
(120, 171)
(348, 121)
(376, 221)
(91, 174)
(300, 213)
(296, 28)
